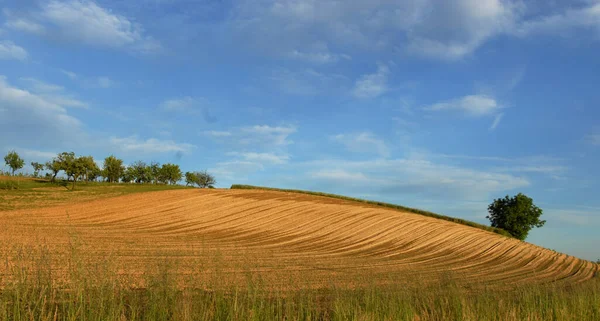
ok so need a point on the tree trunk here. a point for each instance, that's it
(74, 180)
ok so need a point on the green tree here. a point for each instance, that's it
(75, 168)
(91, 168)
(113, 169)
(516, 215)
(128, 175)
(37, 167)
(53, 167)
(14, 161)
(170, 174)
(190, 179)
(154, 171)
(205, 179)
(141, 172)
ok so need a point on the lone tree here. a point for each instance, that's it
(517, 215)
(14, 161)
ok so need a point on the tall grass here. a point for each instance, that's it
(387, 205)
(31, 290)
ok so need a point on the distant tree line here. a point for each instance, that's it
(85, 168)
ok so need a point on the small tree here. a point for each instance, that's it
(37, 167)
(516, 215)
(204, 179)
(113, 169)
(141, 172)
(170, 173)
(190, 179)
(75, 168)
(14, 161)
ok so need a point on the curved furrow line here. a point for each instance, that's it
(316, 237)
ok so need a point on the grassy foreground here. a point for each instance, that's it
(101, 293)
(387, 205)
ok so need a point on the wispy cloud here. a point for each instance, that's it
(150, 145)
(25, 115)
(85, 22)
(8, 50)
(262, 158)
(319, 55)
(265, 134)
(372, 85)
(585, 17)
(23, 24)
(422, 177)
(473, 105)
(53, 93)
(217, 133)
(364, 142)
(497, 121)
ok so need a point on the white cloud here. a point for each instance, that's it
(26, 25)
(413, 177)
(69, 74)
(40, 86)
(453, 29)
(150, 146)
(35, 155)
(573, 18)
(262, 158)
(235, 170)
(52, 93)
(26, 116)
(217, 133)
(363, 143)
(179, 104)
(573, 217)
(497, 121)
(474, 105)
(266, 135)
(317, 54)
(8, 50)
(439, 29)
(341, 176)
(372, 85)
(546, 169)
(85, 22)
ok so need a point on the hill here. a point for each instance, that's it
(231, 236)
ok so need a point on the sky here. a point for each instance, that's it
(434, 104)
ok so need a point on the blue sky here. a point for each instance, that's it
(440, 105)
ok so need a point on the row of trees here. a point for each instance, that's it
(85, 168)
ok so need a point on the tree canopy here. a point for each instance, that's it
(14, 161)
(516, 215)
(113, 169)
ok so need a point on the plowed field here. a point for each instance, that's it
(282, 239)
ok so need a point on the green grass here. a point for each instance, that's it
(387, 205)
(99, 293)
(25, 193)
